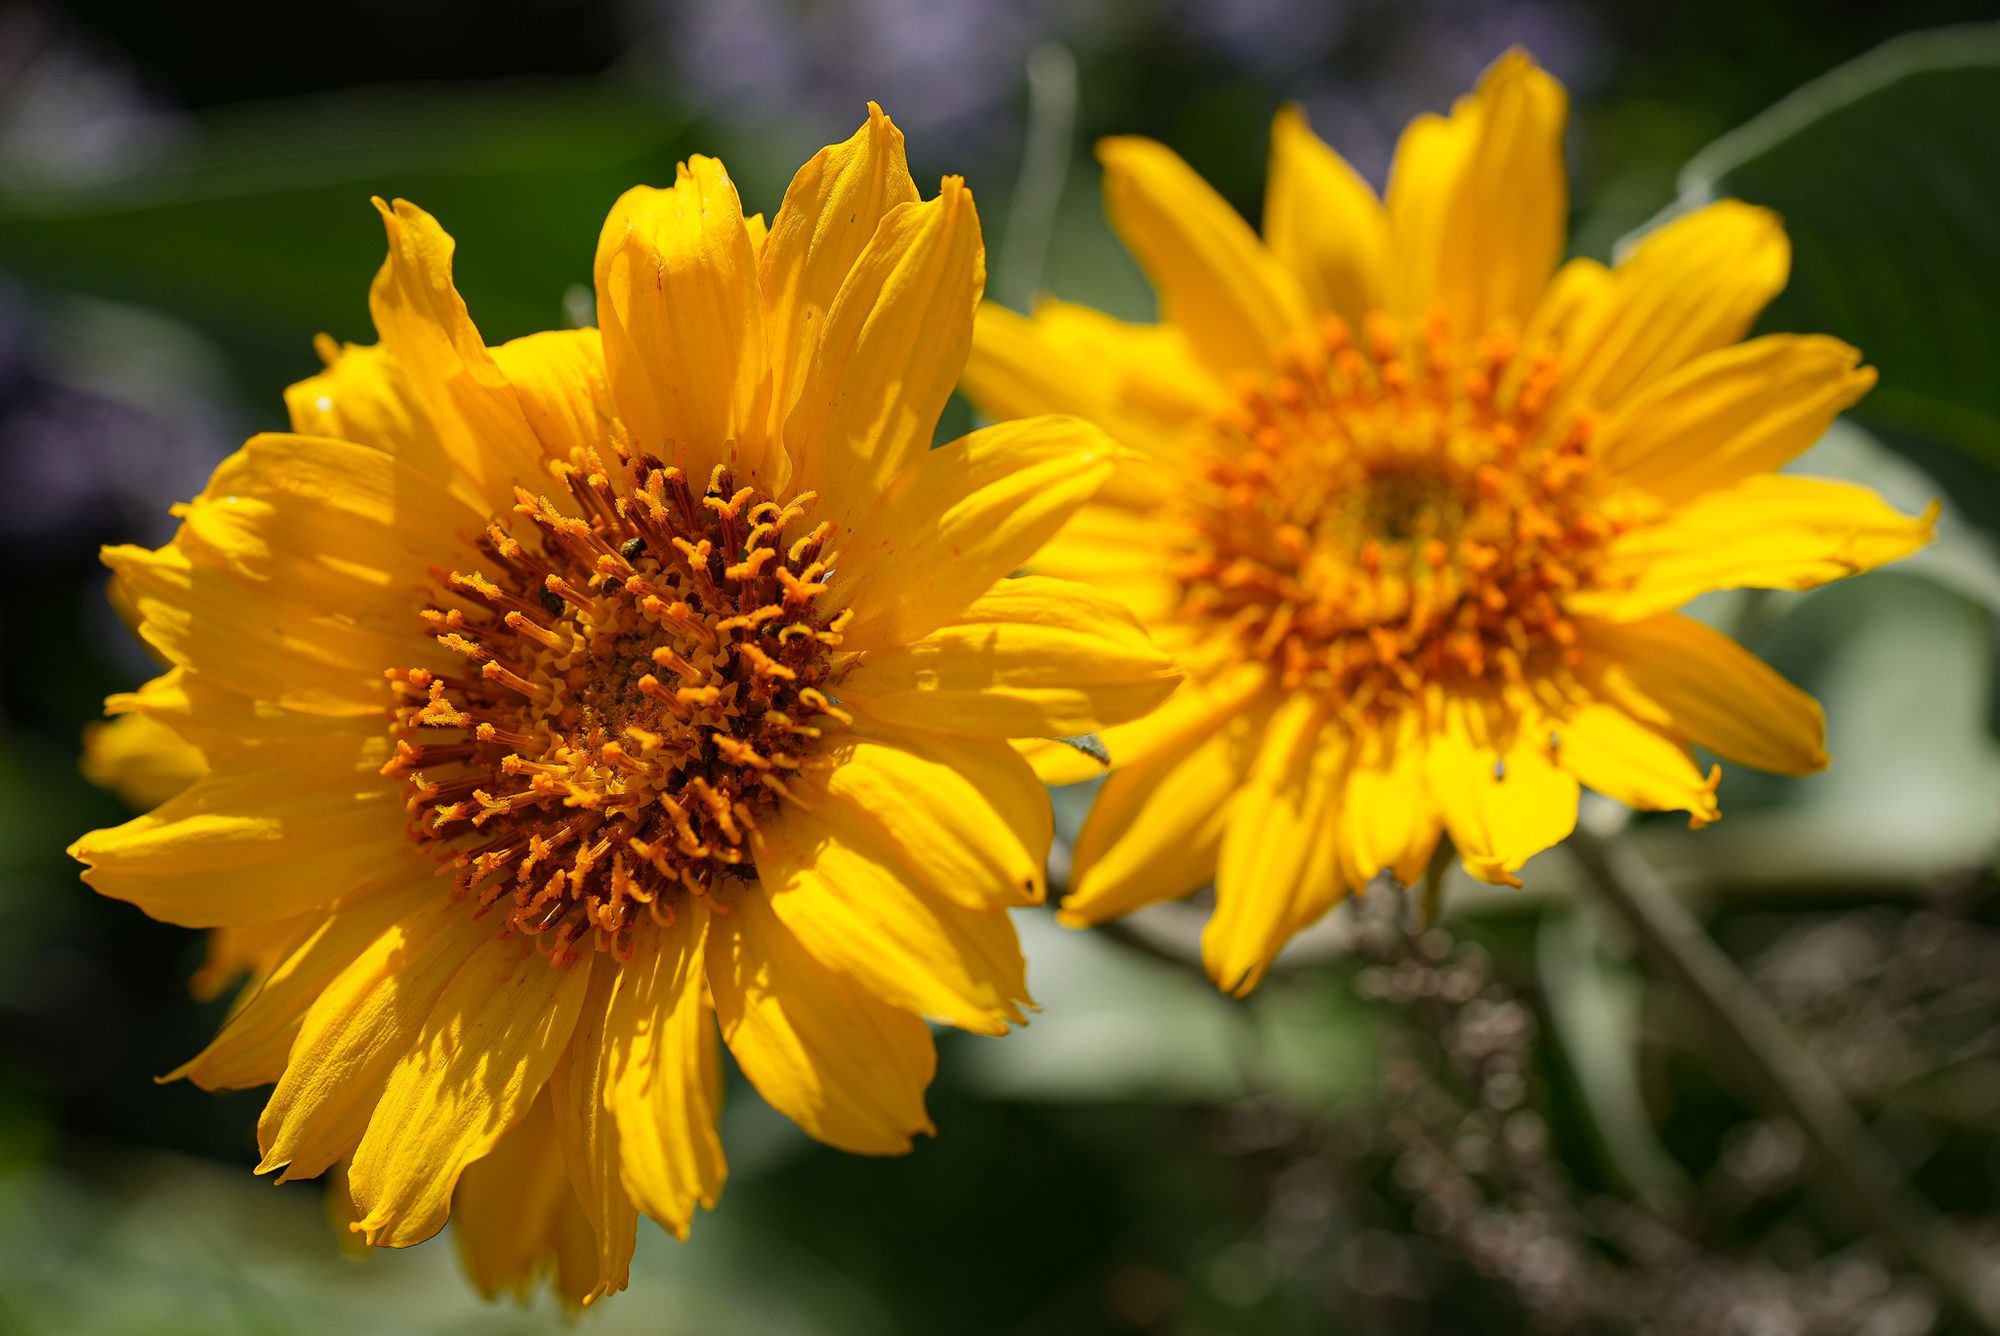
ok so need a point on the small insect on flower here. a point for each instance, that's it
(1415, 507)
(570, 706)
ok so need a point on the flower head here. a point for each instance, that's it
(561, 699)
(1416, 508)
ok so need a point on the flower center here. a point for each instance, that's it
(1395, 511)
(643, 677)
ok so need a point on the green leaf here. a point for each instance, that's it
(1887, 174)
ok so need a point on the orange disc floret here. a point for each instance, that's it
(642, 678)
(1367, 523)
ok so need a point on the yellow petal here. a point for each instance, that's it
(1032, 657)
(1769, 531)
(1682, 676)
(424, 325)
(1280, 866)
(363, 396)
(328, 526)
(579, 1099)
(846, 892)
(1141, 383)
(1057, 762)
(355, 1031)
(482, 1056)
(822, 1050)
(256, 643)
(1688, 288)
(258, 838)
(1732, 413)
(559, 380)
(255, 1041)
(831, 209)
(683, 325)
(1155, 829)
(504, 1212)
(246, 951)
(1502, 797)
(1479, 204)
(1323, 221)
(140, 759)
(1623, 758)
(894, 344)
(1235, 303)
(660, 1094)
(961, 517)
(1577, 287)
(1387, 819)
(1120, 551)
(966, 813)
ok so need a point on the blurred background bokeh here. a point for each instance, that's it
(1504, 1125)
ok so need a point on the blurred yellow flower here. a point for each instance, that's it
(564, 619)
(1415, 511)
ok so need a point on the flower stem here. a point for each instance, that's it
(1031, 213)
(1867, 1176)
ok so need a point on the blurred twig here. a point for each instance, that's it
(1031, 213)
(1874, 1185)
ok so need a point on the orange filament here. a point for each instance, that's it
(642, 678)
(1396, 512)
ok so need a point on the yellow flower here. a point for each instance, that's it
(1415, 511)
(686, 661)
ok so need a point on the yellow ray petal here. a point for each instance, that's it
(328, 526)
(354, 1033)
(1696, 682)
(559, 380)
(961, 517)
(1280, 866)
(822, 1050)
(1323, 221)
(1633, 762)
(140, 759)
(424, 325)
(1141, 383)
(246, 952)
(1490, 775)
(480, 1059)
(660, 1094)
(579, 1099)
(260, 837)
(1235, 303)
(1732, 413)
(1056, 762)
(255, 1041)
(503, 1215)
(1690, 287)
(1387, 819)
(257, 643)
(894, 344)
(1479, 204)
(1577, 287)
(1155, 829)
(683, 324)
(844, 891)
(831, 209)
(1032, 657)
(1769, 531)
(1118, 550)
(967, 813)
(363, 396)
